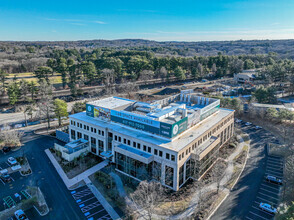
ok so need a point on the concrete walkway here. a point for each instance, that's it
(101, 199)
(71, 182)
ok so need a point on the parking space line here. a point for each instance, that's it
(105, 216)
(277, 193)
(2, 182)
(91, 206)
(271, 187)
(277, 159)
(275, 166)
(85, 200)
(249, 218)
(266, 200)
(262, 211)
(269, 196)
(96, 212)
(274, 162)
(258, 215)
(267, 169)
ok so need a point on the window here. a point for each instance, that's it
(160, 153)
(85, 127)
(129, 142)
(95, 131)
(187, 152)
(167, 156)
(180, 157)
(73, 134)
(110, 134)
(86, 137)
(91, 129)
(119, 139)
(149, 149)
(102, 133)
(79, 134)
(78, 124)
(155, 151)
(99, 132)
(81, 126)
(139, 146)
(134, 144)
(189, 149)
(183, 154)
(144, 148)
(125, 141)
(74, 123)
(173, 158)
(115, 137)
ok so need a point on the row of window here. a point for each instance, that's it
(86, 127)
(205, 137)
(144, 148)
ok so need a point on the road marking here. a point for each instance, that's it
(2, 181)
(273, 165)
(269, 196)
(249, 218)
(268, 191)
(274, 162)
(276, 159)
(96, 212)
(258, 215)
(271, 187)
(266, 200)
(262, 210)
(267, 169)
(105, 217)
(85, 200)
(274, 168)
(91, 206)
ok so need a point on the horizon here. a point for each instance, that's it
(188, 21)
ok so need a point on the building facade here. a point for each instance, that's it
(169, 140)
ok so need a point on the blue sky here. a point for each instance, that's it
(162, 20)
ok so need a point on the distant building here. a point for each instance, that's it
(169, 140)
(245, 76)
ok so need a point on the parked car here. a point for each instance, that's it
(248, 123)
(258, 127)
(273, 179)
(20, 215)
(12, 161)
(6, 149)
(6, 178)
(267, 208)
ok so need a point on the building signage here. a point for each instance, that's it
(135, 118)
(90, 110)
(102, 113)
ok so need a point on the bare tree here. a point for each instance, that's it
(146, 198)
(11, 138)
(217, 172)
(46, 101)
(146, 75)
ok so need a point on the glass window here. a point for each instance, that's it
(134, 144)
(115, 137)
(155, 151)
(160, 153)
(173, 158)
(139, 146)
(125, 141)
(167, 156)
(119, 139)
(144, 148)
(149, 149)
(129, 142)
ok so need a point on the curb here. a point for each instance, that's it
(40, 212)
(218, 206)
(242, 168)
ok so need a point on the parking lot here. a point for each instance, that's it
(89, 205)
(268, 192)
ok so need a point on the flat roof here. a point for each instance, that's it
(176, 144)
(76, 143)
(135, 151)
(112, 102)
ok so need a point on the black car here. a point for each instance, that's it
(6, 149)
(6, 178)
(273, 179)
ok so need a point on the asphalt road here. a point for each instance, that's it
(243, 196)
(58, 197)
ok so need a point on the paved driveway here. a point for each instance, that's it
(89, 205)
(246, 192)
(59, 199)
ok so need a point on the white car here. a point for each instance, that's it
(267, 208)
(258, 127)
(248, 123)
(20, 215)
(12, 161)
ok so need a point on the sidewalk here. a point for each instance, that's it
(101, 199)
(71, 182)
